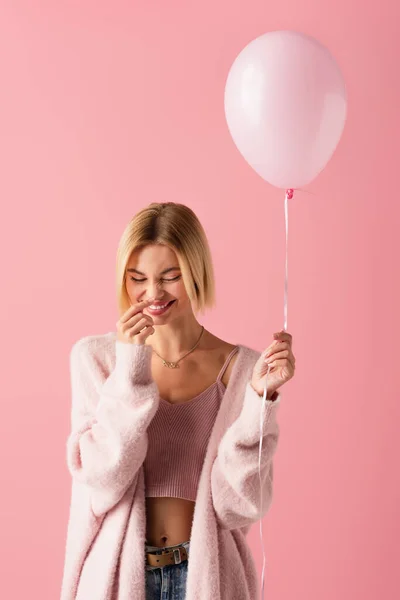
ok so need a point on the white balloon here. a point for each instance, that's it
(285, 106)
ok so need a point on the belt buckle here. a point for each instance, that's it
(177, 553)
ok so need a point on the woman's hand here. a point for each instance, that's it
(280, 358)
(134, 327)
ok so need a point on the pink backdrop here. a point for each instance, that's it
(106, 106)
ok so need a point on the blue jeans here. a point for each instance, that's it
(168, 582)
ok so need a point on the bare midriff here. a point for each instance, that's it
(169, 520)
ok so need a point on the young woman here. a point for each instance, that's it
(164, 445)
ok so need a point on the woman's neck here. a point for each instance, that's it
(176, 337)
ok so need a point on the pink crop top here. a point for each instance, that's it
(178, 436)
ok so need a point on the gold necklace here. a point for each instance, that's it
(175, 365)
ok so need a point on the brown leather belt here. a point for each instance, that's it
(168, 557)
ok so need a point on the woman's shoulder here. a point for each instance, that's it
(244, 355)
(243, 352)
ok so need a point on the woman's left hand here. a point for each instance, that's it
(280, 358)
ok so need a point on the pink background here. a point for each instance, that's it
(107, 106)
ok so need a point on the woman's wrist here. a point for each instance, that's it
(272, 396)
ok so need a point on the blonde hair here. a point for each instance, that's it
(176, 226)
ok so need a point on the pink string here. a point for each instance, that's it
(288, 196)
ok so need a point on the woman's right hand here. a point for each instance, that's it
(134, 327)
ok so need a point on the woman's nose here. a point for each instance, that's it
(154, 291)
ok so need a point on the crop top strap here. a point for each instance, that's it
(222, 371)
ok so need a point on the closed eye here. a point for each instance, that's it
(140, 280)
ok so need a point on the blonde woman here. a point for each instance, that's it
(165, 426)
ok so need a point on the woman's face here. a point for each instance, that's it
(154, 272)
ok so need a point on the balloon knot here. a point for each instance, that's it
(289, 193)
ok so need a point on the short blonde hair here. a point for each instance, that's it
(176, 226)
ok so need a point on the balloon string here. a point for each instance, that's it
(288, 196)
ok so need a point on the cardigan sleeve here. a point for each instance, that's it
(109, 418)
(235, 479)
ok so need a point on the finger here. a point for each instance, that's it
(139, 315)
(271, 347)
(147, 332)
(275, 347)
(283, 362)
(276, 355)
(135, 319)
(284, 336)
(138, 327)
(280, 359)
(139, 306)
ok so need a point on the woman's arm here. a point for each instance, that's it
(109, 419)
(235, 482)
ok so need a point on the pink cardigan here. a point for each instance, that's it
(114, 399)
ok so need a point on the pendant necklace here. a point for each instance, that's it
(175, 365)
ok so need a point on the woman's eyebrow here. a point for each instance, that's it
(162, 272)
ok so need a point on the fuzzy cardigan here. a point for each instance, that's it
(114, 399)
